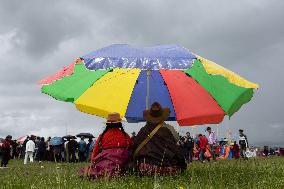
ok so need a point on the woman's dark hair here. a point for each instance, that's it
(110, 126)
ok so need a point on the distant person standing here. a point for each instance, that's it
(212, 141)
(24, 146)
(202, 147)
(6, 151)
(243, 142)
(82, 146)
(41, 149)
(48, 149)
(72, 147)
(188, 146)
(265, 151)
(66, 150)
(30, 149)
(89, 149)
(236, 150)
(14, 149)
(37, 139)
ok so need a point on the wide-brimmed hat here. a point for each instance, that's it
(113, 118)
(156, 114)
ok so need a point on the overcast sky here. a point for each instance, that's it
(39, 37)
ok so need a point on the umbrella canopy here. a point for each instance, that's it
(123, 79)
(69, 137)
(56, 141)
(22, 139)
(85, 135)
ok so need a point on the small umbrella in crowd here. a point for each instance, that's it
(124, 79)
(56, 141)
(69, 137)
(85, 135)
(22, 139)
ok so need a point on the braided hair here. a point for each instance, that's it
(111, 126)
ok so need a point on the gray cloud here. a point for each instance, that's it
(39, 37)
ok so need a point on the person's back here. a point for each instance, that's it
(236, 150)
(161, 144)
(30, 146)
(41, 149)
(111, 151)
(30, 149)
(82, 146)
(113, 138)
(5, 151)
(155, 148)
(72, 145)
(202, 142)
(41, 146)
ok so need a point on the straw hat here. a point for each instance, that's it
(156, 114)
(113, 118)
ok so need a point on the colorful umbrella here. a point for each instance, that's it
(123, 79)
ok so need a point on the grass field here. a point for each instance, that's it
(255, 173)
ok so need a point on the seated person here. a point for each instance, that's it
(155, 148)
(110, 153)
(226, 152)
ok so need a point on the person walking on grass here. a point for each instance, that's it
(212, 141)
(30, 149)
(6, 151)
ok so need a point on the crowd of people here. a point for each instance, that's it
(206, 148)
(156, 149)
(39, 149)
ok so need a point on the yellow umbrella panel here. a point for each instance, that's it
(111, 93)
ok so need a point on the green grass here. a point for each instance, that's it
(255, 173)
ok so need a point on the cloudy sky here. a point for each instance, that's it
(39, 37)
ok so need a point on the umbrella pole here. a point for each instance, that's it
(148, 88)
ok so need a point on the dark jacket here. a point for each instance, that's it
(72, 145)
(41, 146)
(162, 150)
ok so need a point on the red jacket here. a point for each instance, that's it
(6, 146)
(113, 138)
(203, 142)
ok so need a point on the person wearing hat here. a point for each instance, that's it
(111, 150)
(5, 151)
(155, 148)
